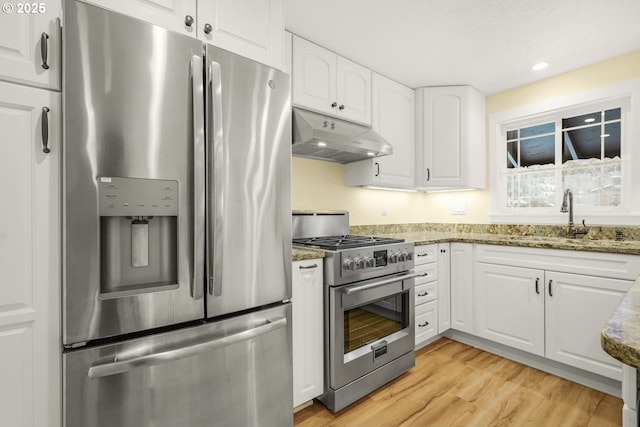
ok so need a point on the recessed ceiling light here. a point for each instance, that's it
(371, 153)
(540, 66)
(322, 144)
(589, 120)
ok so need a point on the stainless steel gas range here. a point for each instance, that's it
(368, 306)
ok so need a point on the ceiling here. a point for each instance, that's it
(489, 44)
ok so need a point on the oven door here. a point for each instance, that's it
(371, 323)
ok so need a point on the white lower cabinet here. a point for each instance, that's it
(462, 287)
(30, 344)
(444, 287)
(308, 346)
(555, 314)
(432, 294)
(629, 396)
(510, 306)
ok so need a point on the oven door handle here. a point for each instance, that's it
(354, 289)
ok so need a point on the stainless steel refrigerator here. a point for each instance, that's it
(177, 230)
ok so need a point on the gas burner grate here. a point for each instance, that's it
(346, 241)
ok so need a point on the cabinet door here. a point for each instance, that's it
(426, 322)
(462, 289)
(444, 163)
(444, 287)
(577, 307)
(313, 76)
(308, 350)
(175, 15)
(24, 38)
(393, 110)
(353, 91)
(254, 29)
(29, 258)
(510, 306)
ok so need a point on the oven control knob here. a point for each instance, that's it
(402, 256)
(359, 263)
(393, 258)
(409, 256)
(349, 265)
(369, 262)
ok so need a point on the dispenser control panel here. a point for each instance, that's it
(137, 197)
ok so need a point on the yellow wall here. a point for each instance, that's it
(318, 185)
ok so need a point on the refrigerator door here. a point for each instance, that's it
(249, 179)
(134, 175)
(236, 372)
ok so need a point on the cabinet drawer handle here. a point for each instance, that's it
(422, 325)
(423, 275)
(44, 42)
(45, 130)
(537, 283)
(423, 254)
(308, 267)
(423, 294)
(550, 293)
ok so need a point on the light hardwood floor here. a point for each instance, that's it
(454, 384)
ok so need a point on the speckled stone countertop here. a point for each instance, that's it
(621, 336)
(301, 254)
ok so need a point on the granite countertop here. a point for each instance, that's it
(631, 247)
(301, 254)
(621, 336)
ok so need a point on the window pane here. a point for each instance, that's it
(612, 142)
(512, 154)
(594, 182)
(537, 130)
(512, 134)
(581, 120)
(535, 187)
(612, 114)
(581, 144)
(537, 151)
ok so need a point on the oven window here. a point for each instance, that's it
(375, 320)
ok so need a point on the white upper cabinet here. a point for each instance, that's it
(394, 119)
(330, 84)
(30, 45)
(175, 15)
(451, 137)
(254, 29)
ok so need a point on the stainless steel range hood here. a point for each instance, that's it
(327, 138)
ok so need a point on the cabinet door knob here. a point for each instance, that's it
(334, 105)
(208, 28)
(45, 130)
(44, 42)
(188, 20)
(341, 107)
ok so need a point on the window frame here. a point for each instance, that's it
(625, 94)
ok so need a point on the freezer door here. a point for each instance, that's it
(235, 372)
(134, 175)
(249, 177)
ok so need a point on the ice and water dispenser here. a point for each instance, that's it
(138, 235)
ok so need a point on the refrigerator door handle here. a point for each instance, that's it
(216, 162)
(197, 282)
(119, 366)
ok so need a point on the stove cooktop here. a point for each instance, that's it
(345, 242)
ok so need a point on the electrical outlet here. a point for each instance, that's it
(459, 208)
(384, 209)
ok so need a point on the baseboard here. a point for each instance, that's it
(588, 379)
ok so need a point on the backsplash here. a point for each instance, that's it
(600, 232)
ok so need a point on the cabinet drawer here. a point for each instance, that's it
(425, 254)
(427, 292)
(426, 321)
(426, 273)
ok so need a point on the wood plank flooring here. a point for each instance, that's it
(454, 384)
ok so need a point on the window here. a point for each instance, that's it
(539, 151)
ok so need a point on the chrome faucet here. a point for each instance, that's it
(572, 231)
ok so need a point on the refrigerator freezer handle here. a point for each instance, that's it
(215, 136)
(197, 281)
(207, 344)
